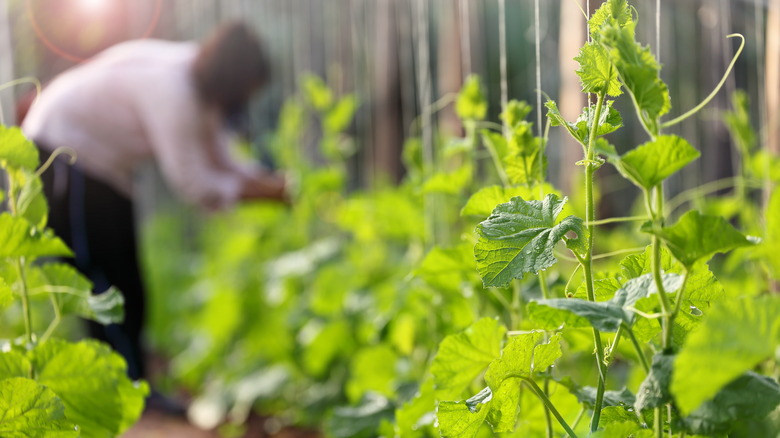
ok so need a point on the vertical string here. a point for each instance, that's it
(658, 30)
(424, 95)
(502, 57)
(465, 38)
(538, 39)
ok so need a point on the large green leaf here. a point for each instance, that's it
(596, 71)
(18, 238)
(464, 356)
(654, 390)
(697, 237)
(28, 409)
(92, 382)
(745, 332)
(15, 150)
(654, 161)
(750, 396)
(519, 237)
(463, 419)
(485, 200)
(471, 103)
(14, 364)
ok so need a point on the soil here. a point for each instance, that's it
(154, 424)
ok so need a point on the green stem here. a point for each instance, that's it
(497, 163)
(658, 422)
(707, 100)
(25, 301)
(638, 347)
(56, 321)
(704, 189)
(618, 219)
(547, 416)
(618, 252)
(587, 261)
(615, 343)
(549, 405)
(543, 285)
(680, 294)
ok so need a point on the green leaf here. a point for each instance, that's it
(471, 103)
(770, 246)
(519, 238)
(505, 407)
(464, 356)
(624, 429)
(92, 382)
(750, 396)
(18, 238)
(338, 118)
(14, 364)
(526, 169)
(6, 294)
(485, 200)
(326, 345)
(651, 163)
(609, 121)
(522, 356)
(746, 332)
(515, 112)
(638, 71)
(452, 183)
(28, 409)
(697, 237)
(448, 269)
(612, 11)
(316, 92)
(372, 370)
(74, 293)
(596, 72)
(463, 419)
(30, 200)
(587, 395)
(607, 316)
(654, 390)
(738, 123)
(16, 151)
(413, 416)
(361, 421)
(497, 142)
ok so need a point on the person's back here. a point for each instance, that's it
(100, 108)
(145, 100)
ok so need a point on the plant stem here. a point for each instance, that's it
(638, 347)
(25, 301)
(587, 261)
(550, 406)
(658, 422)
(543, 285)
(618, 219)
(547, 417)
(56, 321)
(579, 416)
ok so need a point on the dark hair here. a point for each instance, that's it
(231, 65)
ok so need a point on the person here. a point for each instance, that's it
(138, 101)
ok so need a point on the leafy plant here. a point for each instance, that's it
(50, 386)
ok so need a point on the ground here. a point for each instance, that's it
(157, 425)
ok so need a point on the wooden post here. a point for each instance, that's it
(7, 102)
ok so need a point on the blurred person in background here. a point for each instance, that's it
(143, 100)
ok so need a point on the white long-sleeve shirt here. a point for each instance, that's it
(134, 102)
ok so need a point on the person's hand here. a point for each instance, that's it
(265, 185)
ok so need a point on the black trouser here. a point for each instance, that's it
(97, 222)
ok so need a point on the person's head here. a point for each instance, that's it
(230, 66)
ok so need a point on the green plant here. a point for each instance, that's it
(50, 386)
(665, 300)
